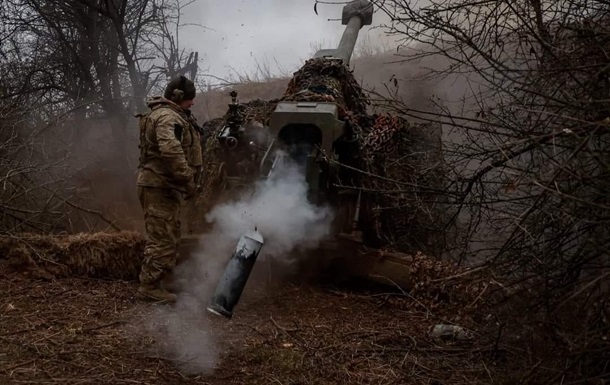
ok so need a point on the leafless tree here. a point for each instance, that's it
(76, 69)
(529, 149)
(106, 53)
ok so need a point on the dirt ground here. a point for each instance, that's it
(87, 331)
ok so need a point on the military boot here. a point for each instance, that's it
(170, 283)
(155, 293)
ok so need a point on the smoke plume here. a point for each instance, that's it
(278, 207)
(183, 334)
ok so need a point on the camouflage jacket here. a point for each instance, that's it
(170, 147)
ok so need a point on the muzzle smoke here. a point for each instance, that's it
(279, 208)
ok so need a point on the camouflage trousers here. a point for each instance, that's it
(162, 219)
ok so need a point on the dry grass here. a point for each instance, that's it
(99, 255)
(213, 104)
(85, 331)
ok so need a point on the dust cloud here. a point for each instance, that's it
(278, 207)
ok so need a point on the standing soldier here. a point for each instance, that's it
(170, 168)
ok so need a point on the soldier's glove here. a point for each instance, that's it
(191, 190)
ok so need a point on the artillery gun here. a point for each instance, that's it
(312, 127)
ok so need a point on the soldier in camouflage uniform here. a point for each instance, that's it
(170, 165)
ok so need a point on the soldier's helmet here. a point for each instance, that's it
(180, 89)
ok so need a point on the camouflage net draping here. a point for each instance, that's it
(404, 156)
(328, 81)
(404, 167)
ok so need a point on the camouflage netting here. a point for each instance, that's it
(98, 255)
(406, 156)
(403, 201)
(214, 184)
(329, 81)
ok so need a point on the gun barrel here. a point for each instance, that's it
(348, 40)
(355, 15)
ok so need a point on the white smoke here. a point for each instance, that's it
(281, 212)
(184, 336)
(278, 207)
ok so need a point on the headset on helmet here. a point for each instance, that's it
(178, 93)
